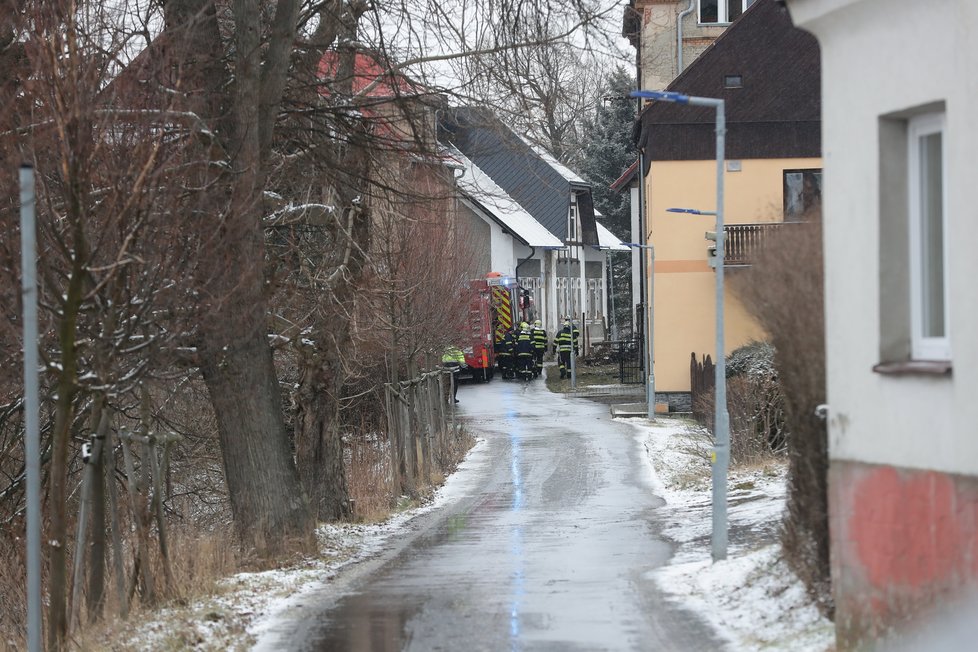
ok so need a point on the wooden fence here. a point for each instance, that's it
(422, 427)
(702, 380)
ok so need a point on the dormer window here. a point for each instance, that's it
(722, 11)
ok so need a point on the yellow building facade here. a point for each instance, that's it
(683, 283)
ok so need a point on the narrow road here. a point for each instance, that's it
(550, 548)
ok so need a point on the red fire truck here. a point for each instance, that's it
(492, 308)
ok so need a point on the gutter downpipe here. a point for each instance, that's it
(679, 36)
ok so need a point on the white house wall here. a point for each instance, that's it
(903, 469)
(906, 421)
(636, 252)
(503, 254)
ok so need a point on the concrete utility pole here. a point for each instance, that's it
(32, 444)
(721, 419)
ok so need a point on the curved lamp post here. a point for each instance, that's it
(721, 419)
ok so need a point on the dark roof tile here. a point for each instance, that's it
(540, 188)
(775, 114)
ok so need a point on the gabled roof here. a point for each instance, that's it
(481, 191)
(775, 114)
(537, 182)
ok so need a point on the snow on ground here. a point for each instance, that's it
(751, 598)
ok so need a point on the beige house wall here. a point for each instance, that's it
(684, 286)
(658, 57)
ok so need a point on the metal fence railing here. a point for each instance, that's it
(745, 241)
(630, 361)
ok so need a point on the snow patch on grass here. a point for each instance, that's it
(751, 598)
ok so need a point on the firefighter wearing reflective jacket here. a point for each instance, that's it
(453, 360)
(524, 352)
(539, 346)
(565, 343)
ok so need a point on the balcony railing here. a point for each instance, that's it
(744, 241)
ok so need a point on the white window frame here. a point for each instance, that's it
(573, 221)
(723, 11)
(925, 346)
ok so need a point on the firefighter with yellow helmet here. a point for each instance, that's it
(524, 352)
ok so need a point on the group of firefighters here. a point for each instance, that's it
(520, 351)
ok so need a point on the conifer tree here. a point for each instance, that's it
(608, 152)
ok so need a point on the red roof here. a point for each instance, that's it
(626, 178)
(367, 71)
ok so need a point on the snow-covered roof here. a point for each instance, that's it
(561, 169)
(608, 240)
(480, 188)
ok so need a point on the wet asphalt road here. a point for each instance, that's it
(549, 547)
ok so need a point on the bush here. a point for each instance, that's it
(755, 405)
(783, 291)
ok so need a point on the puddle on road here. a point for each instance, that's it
(360, 622)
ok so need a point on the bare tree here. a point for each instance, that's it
(543, 93)
(112, 253)
(386, 126)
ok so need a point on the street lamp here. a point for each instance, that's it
(721, 420)
(648, 335)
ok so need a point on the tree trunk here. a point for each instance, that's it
(58, 528)
(270, 509)
(318, 440)
(96, 559)
(269, 506)
(318, 436)
(66, 393)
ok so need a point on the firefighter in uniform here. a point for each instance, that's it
(524, 352)
(453, 359)
(565, 342)
(539, 346)
(504, 355)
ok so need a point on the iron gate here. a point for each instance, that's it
(630, 361)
